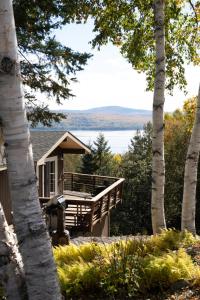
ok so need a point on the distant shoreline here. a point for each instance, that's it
(85, 129)
(111, 118)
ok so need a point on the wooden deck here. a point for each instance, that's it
(89, 198)
(93, 198)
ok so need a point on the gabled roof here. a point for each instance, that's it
(45, 142)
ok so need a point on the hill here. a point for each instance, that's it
(119, 110)
(104, 118)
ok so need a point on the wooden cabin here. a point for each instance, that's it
(89, 198)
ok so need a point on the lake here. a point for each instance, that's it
(117, 140)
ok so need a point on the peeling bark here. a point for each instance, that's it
(33, 240)
(190, 176)
(158, 164)
(11, 268)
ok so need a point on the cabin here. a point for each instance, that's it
(88, 198)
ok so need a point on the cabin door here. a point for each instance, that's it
(51, 176)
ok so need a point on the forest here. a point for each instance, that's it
(102, 118)
(160, 208)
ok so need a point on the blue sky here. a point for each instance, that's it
(109, 79)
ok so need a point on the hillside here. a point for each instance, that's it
(104, 118)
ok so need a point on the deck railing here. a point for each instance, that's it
(101, 193)
(87, 183)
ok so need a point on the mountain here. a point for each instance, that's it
(104, 118)
(109, 110)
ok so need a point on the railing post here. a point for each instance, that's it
(93, 183)
(91, 217)
(115, 196)
(108, 205)
(120, 192)
(72, 181)
(101, 205)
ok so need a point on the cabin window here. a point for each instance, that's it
(51, 175)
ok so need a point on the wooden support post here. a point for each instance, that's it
(108, 204)
(115, 196)
(101, 205)
(91, 217)
(121, 189)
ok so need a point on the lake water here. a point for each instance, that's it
(117, 140)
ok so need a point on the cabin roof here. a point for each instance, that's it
(45, 142)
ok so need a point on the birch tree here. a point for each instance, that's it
(12, 275)
(34, 242)
(158, 165)
(137, 28)
(190, 176)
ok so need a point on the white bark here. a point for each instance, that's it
(34, 242)
(11, 268)
(158, 165)
(190, 176)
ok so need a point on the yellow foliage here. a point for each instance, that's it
(117, 158)
(130, 265)
(171, 240)
(180, 121)
(168, 268)
(71, 254)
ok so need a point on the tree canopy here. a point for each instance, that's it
(130, 26)
(47, 66)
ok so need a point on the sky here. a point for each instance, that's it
(108, 79)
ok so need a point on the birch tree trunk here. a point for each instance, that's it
(34, 242)
(11, 268)
(190, 176)
(158, 165)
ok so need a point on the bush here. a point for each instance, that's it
(123, 269)
(162, 271)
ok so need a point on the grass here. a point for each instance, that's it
(126, 269)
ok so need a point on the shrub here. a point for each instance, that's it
(162, 271)
(125, 268)
(171, 240)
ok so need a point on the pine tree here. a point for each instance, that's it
(47, 66)
(87, 163)
(102, 156)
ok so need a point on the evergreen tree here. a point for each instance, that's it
(102, 156)
(100, 161)
(47, 66)
(87, 163)
(134, 215)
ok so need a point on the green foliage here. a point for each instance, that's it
(100, 161)
(53, 66)
(101, 155)
(134, 215)
(130, 26)
(72, 162)
(87, 162)
(178, 127)
(126, 268)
